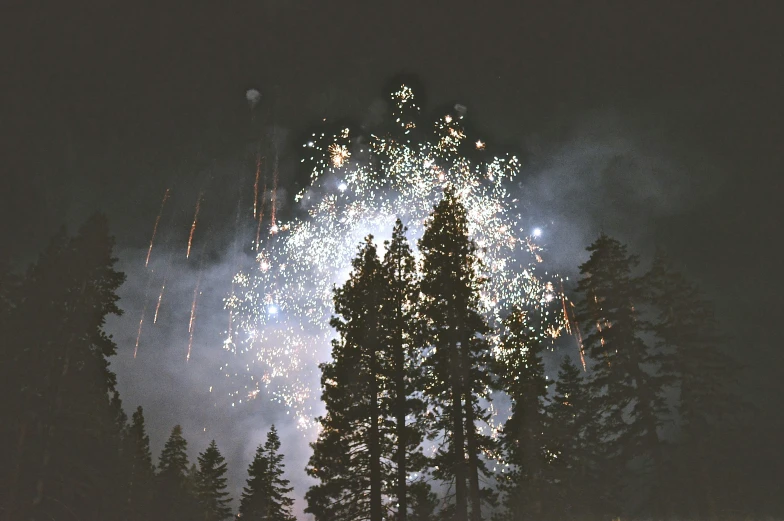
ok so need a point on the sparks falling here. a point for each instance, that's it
(155, 227)
(256, 185)
(144, 312)
(193, 317)
(193, 226)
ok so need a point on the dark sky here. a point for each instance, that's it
(104, 107)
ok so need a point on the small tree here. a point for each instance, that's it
(137, 456)
(266, 494)
(211, 485)
(174, 498)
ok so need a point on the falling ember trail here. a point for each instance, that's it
(256, 185)
(138, 336)
(193, 226)
(155, 227)
(144, 312)
(163, 287)
(261, 217)
(158, 306)
(193, 316)
(273, 200)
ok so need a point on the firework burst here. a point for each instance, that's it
(282, 307)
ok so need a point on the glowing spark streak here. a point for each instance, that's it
(193, 226)
(193, 317)
(163, 286)
(261, 217)
(158, 306)
(138, 336)
(144, 312)
(155, 227)
(274, 187)
(256, 185)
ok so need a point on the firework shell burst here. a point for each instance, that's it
(284, 304)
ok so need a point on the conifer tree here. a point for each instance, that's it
(521, 373)
(59, 465)
(422, 502)
(458, 362)
(624, 377)
(266, 494)
(174, 498)
(211, 485)
(402, 356)
(571, 446)
(687, 331)
(347, 456)
(138, 459)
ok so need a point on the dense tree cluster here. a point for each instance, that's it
(635, 435)
(67, 449)
(645, 432)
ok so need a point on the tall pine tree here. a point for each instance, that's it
(402, 356)
(685, 328)
(58, 464)
(266, 494)
(625, 379)
(458, 362)
(211, 485)
(347, 456)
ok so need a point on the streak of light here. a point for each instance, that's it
(155, 227)
(193, 226)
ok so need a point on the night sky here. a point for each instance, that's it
(655, 124)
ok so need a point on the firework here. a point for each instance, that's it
(193, 226)
(256, 185)
(274, 196)
(163, 287)
(144, 312)
(281, 308)
(155, 227)
(193, 316)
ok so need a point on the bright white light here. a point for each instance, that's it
(342, 186)
(537, 232)
(272, 309)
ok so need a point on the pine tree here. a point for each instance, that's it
(521, 373)
(402, 354)
(571, 446)
(624, 378)
(266, 495)
(137, 457)
(347, 456)
(174, 498)
(422, 502)
(211, 484)
(458, 362)
(686, 329)
(58, 464)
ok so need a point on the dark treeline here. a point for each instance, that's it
(651, 430)
(67, 449)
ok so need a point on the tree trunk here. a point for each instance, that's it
(375, 447)
(400, 389)
(473, 460)
(458, 441)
